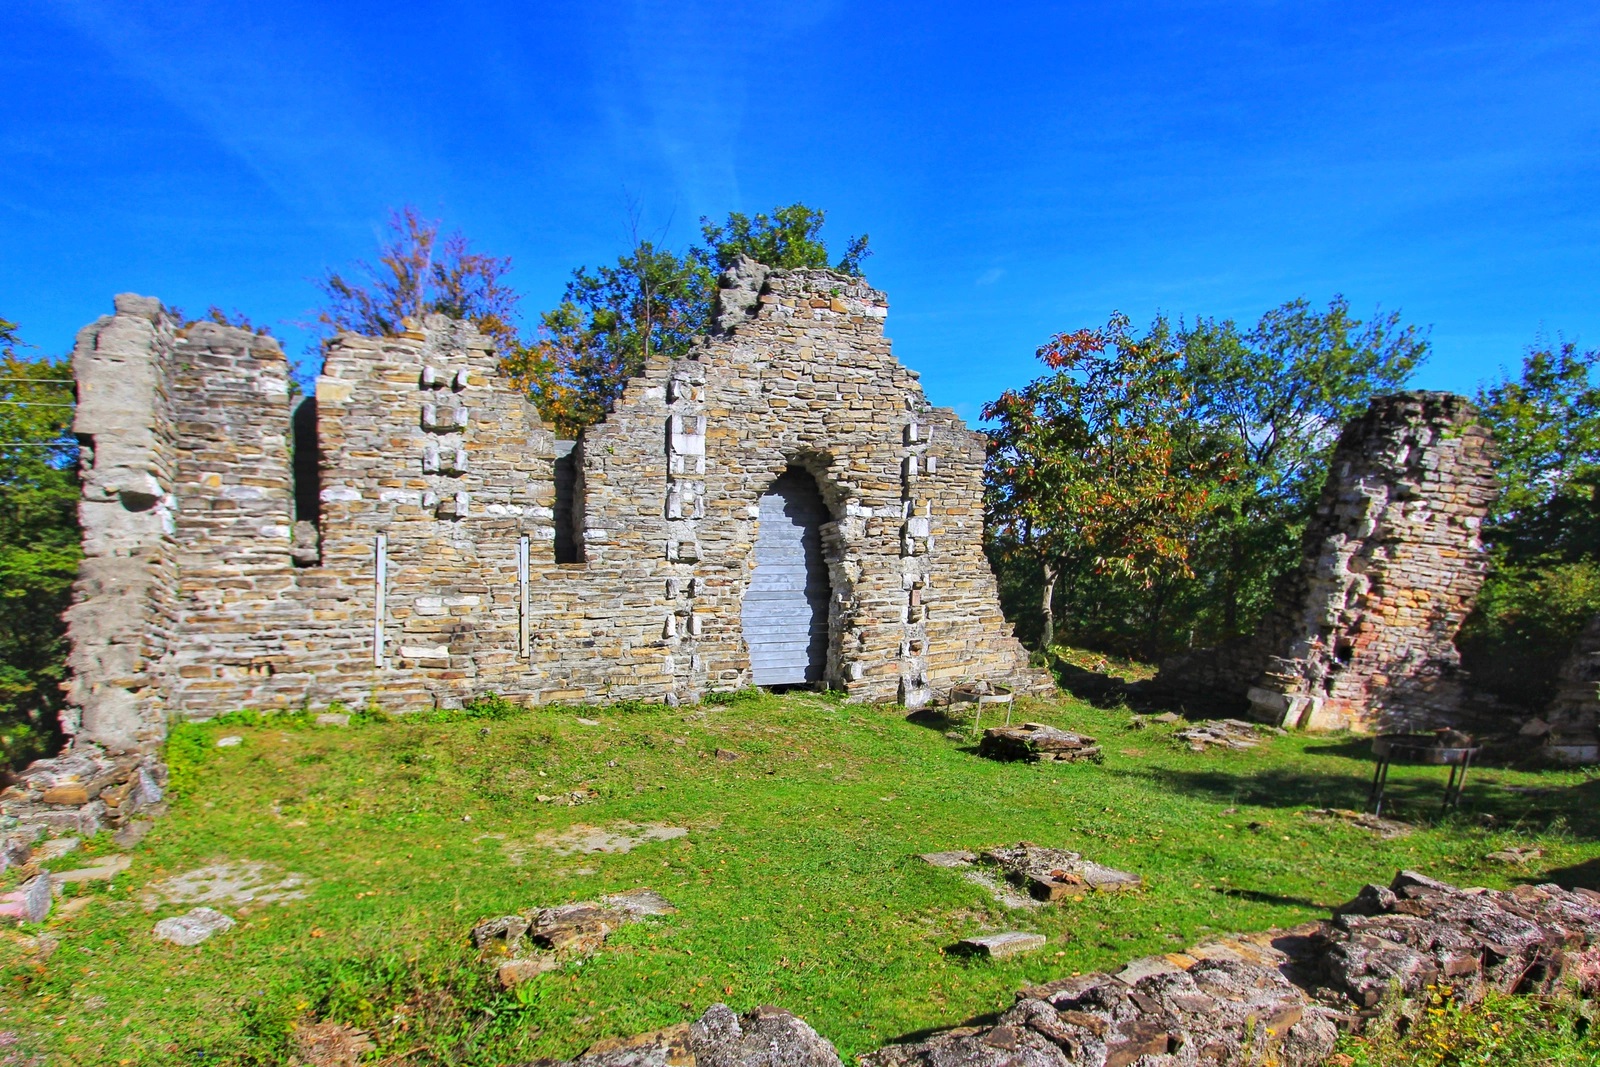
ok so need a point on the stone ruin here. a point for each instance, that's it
(1574, 715)
(1362, 634)
(1280, 997)
(414, 535)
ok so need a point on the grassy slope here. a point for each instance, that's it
(798, 884)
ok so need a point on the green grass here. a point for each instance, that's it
(798, 884)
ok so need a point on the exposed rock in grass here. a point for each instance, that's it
(1055, 874)
(618, 837)
(999, 946)
(330, 1044)
(765, 1037)
(1225, 733)
(191, 929)
(30, 903)
(1387, 829)
(1516, 854)
(242, 882)
(548, 938)
(1034, 741)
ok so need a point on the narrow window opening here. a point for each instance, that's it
(569, 502)
(305, 472)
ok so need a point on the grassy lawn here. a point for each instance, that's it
(798, 883)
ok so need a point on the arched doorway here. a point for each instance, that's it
(785, 609)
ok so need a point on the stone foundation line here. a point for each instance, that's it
(1280, 997)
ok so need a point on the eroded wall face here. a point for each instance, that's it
(431, 465)
(1364, 635)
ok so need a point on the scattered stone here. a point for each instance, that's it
(231, 741)
(1034, 741)
(1051, 874)
(1167, 718)
(104, 871)
(131, 834)
(999, 946)
(1517, 854)
(191, 929)
(765, 1037)
(571, 798)
(1386, 829)
(588, 722)
(948, 859)
(55, 848)
(1001, 891)
(550, 937)
(640, 903)
(15, 851)
(73, 795)
(618, 837)
(1224, 733)
(727, 756)
(31, 903)
(243, 882)
(333, 718)
(330, 1044)
(1535, 728)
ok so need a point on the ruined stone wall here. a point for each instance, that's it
(1362, 635)
(427, 460)
(124, 600)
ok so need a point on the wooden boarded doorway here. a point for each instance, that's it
(785, 610)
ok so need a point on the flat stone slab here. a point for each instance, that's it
(999, 946)
(191, 929)
(618, 837)
(55, 848)
(1054, 874)
(1033, 741)
(31, 903)
(231, 741)
(547, 938)
(949, 859)
(333, 718)
(242, 882)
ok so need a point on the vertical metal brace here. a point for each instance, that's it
(524, 627)
(380, 589)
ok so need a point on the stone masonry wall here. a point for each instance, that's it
(1362, 635)
(427, 461)
(1574, 714)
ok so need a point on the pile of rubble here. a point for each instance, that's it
(549, 938)
(1035, 741)
(1044, 874)
(1225, 733)
(82, 791)
(1280, 997)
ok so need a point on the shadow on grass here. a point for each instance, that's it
(1258, 897)
(1585, 875)
(1409, 796)
(914, 1036)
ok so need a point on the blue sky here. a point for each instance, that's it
(1022, 169)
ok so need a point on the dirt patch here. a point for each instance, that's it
(243, 882)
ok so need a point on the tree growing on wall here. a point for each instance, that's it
(39, 549)
(655, 301)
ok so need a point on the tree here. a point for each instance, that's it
(1278, 395)
(1095, 466)
(39, 549)
(654, 301)
(420, 273)
(1544, 528)
(789, 237)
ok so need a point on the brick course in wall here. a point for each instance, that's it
(201, 595)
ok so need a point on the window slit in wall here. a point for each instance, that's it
(568, 519)
(305, 472)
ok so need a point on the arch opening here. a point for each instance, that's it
(784, 613)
